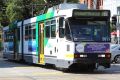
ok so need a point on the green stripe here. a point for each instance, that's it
(45, 16)
(37, 38)
(39, 19)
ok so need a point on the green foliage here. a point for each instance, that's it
(23, 9)
(3, 18)
(73, 1)
(18, 9)
(0, 26)
(38, 6)
(0, 16)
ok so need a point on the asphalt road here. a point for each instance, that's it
(10, 70)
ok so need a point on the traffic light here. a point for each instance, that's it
(114, 20)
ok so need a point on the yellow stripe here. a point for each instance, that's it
(69, 56)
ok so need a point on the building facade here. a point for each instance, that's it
(93, 4)
(113, 6)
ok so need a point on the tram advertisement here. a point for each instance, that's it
(92, 48)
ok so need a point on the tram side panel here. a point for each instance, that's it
(18, 42)
(8, 44)
(29, 43)
(50, 41)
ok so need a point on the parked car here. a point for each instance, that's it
(115, 53)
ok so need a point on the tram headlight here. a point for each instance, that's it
(80, 48)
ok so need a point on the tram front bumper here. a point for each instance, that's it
(92, 58)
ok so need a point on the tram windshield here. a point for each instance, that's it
(87, 30)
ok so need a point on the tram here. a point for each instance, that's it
(66, 35)
(1, 40)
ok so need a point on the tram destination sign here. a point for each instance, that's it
(93, 13)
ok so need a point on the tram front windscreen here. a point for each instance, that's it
(87, 30)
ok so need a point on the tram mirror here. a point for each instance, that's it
(61, 21)
(61, 32)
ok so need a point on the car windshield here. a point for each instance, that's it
(88, 30)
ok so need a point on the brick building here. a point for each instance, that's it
(93, 4)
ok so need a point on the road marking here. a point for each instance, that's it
(24, 67)
(47, 73)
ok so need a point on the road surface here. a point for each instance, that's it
(10, 70)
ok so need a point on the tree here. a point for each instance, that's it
(3, 18)
(18, 9)
(38, 6)
(72, 1)
(23, 9)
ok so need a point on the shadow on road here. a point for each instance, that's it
(115, 69)
(4, 63)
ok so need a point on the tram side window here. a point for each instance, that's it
(53, 28)
(9, 36)
(26, 32)
(33, 32)
(30, 32)
(50, 28)
(18, 33)
(47, 28)
(61, 22)
(61, 29)
(67, 31)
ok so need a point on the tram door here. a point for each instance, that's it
(16, 44)
(41, 43)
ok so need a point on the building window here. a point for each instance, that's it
(18, 34)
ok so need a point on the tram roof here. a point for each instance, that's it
(65, 6)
